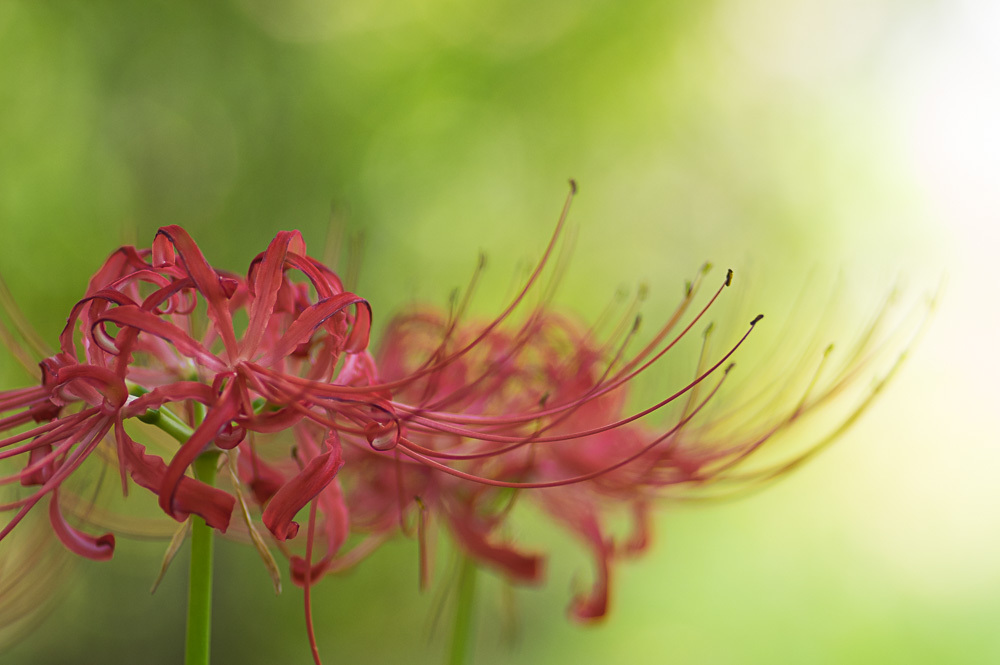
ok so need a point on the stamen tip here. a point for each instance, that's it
(572, 186)
(729, 277)
(756, 319)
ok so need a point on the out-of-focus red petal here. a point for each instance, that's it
(472, 535)
(336, 527)
(642, 528)
(263, 479)
(577, 511)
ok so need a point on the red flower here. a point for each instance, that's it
(153, 299)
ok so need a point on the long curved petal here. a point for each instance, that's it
(300, 490)
(98, 548)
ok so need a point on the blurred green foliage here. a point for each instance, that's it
(748, 133)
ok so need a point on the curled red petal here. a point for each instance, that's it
(300, 490)
(206, 279)
(98, 548)
(136, 317)
(216, 418)
(267, 280)
(191, 497)
(163, 252)
(230, 285)
(96, 301)
(274, 421)
(324, 280)
(123, 261)
(111, 386)
(315, 316)
(382, 436)
(336, 528)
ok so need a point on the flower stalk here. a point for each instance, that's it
(197, 648)
(462, 633)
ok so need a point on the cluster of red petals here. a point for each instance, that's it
(157, 329)
(449, 422)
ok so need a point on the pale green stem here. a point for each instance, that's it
(169, 422)
(199, 619)
(461, 637)
(197, 647)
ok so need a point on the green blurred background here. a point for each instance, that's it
(792, 140)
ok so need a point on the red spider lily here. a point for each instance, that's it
(152, 296)
(157, 331)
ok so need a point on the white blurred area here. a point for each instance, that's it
(935, 468)
(919, 480)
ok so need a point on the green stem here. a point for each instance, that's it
(170, 423)
(461, 637)
(198, 644)
(199, 618)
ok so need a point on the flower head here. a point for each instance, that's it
(156, 330)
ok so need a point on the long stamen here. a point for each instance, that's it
(35, 343)
(307, 587)
(419, 456)
(518, 299)
(623, 377)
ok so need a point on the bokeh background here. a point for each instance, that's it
(817, 147)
